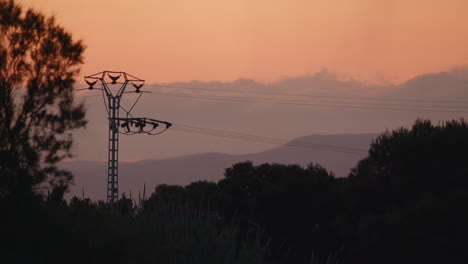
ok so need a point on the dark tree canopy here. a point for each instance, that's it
(407, 162)
(408, 199)
(39, 61)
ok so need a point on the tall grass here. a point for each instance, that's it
(183, 233)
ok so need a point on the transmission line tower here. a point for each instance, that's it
(113, 85)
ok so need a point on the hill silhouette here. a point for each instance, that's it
(90, 176)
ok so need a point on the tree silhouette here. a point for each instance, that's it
(408, 200)
(38, 64)
(294, 205)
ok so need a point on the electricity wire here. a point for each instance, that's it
(288, 144)
(265, 138)
(292, 102)
(136, 101)
(254, 138)
(307, 95)
(104, 100)
(343, 104)
(269, 140)
(278, 141)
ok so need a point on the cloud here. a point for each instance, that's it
(447, 85)
(292, 117)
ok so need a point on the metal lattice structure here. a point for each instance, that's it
(114, 90)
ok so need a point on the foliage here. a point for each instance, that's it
(87, 232)
(409, 196)
(187, 234)
(294, 205)
(38, 64)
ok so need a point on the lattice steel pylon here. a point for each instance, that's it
(108, 80)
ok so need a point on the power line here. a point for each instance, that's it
(260, 139)
(256, 138)
(136, 101)
(339, 104)
(296, 143)
(292, 102)
(336, 102)
(263, 137)
(308, 95)
(269, 140)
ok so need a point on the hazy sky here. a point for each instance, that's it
(370, 48)
(266, 40)
(407, 49)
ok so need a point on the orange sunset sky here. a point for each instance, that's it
(265, 40)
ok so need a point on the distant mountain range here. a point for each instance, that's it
(91, 176)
